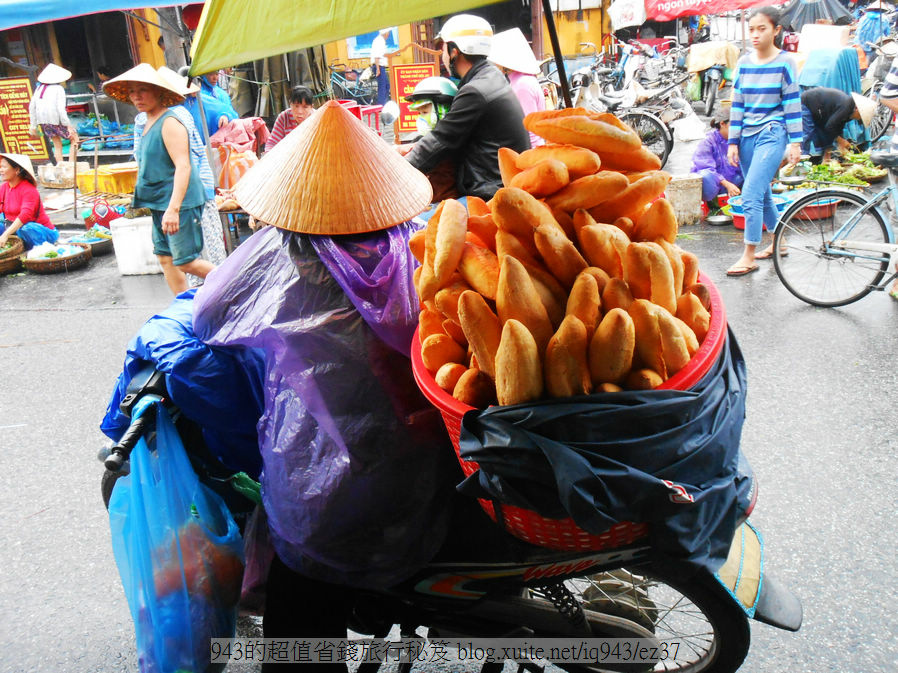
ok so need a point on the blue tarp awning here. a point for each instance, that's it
(16, 13)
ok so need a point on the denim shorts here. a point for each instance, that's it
(184, 246)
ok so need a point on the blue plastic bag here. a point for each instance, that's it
(179, 554)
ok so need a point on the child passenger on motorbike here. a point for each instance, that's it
(357, 470)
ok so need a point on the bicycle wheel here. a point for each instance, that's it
(651, 131)
(882, 118)
(338, 92)
(810, 266)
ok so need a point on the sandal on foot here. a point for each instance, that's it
(741, 270)
(768, 255)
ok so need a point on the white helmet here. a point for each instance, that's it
(472, 35)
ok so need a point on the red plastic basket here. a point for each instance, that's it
(564, 533)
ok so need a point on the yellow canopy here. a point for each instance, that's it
(237, 31)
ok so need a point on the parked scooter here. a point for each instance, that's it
(487, 584)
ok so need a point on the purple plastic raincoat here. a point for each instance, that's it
(357, 469)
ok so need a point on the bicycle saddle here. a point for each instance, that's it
(885, 159)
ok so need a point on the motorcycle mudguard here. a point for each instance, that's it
(761, 597)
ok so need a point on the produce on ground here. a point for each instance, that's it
(568, 281)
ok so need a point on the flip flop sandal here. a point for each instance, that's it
(768, 255)
(742, 270)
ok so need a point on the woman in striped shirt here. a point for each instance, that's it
(765, 118)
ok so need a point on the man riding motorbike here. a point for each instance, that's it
(484, 116)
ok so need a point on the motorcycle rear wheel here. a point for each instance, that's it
(698, 613)
(651, 131)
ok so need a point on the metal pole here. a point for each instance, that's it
(556, 48)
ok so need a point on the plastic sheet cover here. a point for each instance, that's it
(357, 467)
(666, 457)
(219, 389)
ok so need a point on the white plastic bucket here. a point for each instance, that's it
(133, 243)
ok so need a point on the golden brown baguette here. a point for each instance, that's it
(605, 246)
(541, 115)
(585, 302)
(446, 300)
(625, 224)
(691, 340)
(579, 160)
(616, 295)
(675, 257)
(450, 240)
(438, 349)
(639, 160)
(607, 388)
(519, 373)
(648, 273)
(475, 389)
(648, 346)
(567, 370)
(517, 299)
(673, 343)
(692, 312)
(416, 245)
(447, 375)
(507, 168)
(429, 322)
(482, 330)
(690, 269)
(601, 277)
(480, 268)
(477, 207)
(659, 221)
(588, 192)
(519, 212)
(484, 228)
(546, 177)
(643, 379)
(632, 201)
(565, 222)
(559, 254)
(611, 348)
(523, 249)
(701, 291)
(454, 330)
(584, 132)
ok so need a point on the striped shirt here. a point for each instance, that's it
(284, 123)
(890, 90)
(198, 156)
(764, 93)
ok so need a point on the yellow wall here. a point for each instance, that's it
(146, 39)
(337, 51)
(572, 32)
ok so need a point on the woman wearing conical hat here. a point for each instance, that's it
(47, 110)
(167, 182)
(511, 54)
(353, 480)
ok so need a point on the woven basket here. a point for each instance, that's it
(10, 265)
(17, 248)
(59, 264)
(100, 248)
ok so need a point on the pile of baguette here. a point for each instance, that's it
(569, 281)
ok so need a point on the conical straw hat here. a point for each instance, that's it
(53, 74)
(510, 50)
(142, 73)
(176, 81)
(866, 108)
(333, 175)
(22, 161)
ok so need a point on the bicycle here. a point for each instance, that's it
(833, 247)
(349, 84)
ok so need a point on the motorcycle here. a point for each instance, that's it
(485, 583)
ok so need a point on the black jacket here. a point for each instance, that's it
(485, 115)
(830, 109)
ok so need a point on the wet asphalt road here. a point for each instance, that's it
(820, 434)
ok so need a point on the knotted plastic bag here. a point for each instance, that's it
(179, 554)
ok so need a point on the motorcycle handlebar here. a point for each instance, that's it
(120, 452)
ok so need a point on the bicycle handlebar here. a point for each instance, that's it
(120, 452)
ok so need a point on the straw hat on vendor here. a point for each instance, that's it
(23, 162)
(866, 108)
(118, 87)
(333, 175)
(54, 74)
(178, 82)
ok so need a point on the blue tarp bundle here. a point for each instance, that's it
(15, 13)
(667, 457)
(836, 69)
(220, 389)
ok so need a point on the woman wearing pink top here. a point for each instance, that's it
(513, 55)
(21, 210)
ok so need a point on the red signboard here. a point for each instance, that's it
(15, 94)
(403, 79)
(667, 10)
